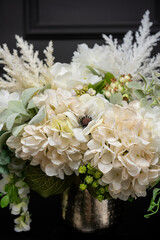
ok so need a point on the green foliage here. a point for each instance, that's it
(39, 116)
(89, 181)
(150, 89)
(4, 160)
(154, 204)
(28, 94)
(20, 112)
(4, 157)
(45, 185)
(4, 201)
(98, 87)
(10, 194)
(92, 70)
(116, 98)
(134, 85)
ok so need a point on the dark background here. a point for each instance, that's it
(68, 23)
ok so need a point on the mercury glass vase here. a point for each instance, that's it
(87, 214)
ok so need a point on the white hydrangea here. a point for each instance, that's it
(124, 148)
(58, 145)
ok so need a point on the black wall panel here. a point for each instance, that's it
(68, 23)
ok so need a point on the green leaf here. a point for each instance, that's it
(108, 76)
(144, 103)
(39, 117)
(13, 194)
(44, 88)
(134, 85)
(13, 107)
(4, 201)
(143, 78)
(139, 94)
(157, 90)
(98, 86)
(154, 204)
(3, 139)
(17, 130)
(93, 71)
(31, 104)
(46, 186)
(116, 98)
(4, 157)
(10, 120)
(28, 94)
(17, 107)
(4, 169)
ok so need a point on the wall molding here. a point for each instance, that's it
(37, 27)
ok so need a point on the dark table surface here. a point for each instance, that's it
(47, 222)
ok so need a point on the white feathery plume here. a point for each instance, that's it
(24, 69)
(135, 57)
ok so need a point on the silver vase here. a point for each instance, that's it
(86, 214)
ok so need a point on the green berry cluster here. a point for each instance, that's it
(118, 85)
(82, 91)
(90, 180)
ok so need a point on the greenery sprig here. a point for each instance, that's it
(154, 204)
(123, 88)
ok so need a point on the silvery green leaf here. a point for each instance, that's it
(13, 107)
(139, 94)
(17, 130)
(144, 103)
(10, 120)
(39, 117)
(157, 90)
(31, 104)
(27, 94)
(41, 90)
(116, 98)
(17, 107)
(134, 84)
(4, 115)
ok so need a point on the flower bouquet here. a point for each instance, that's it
(96, 119)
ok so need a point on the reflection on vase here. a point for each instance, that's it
(86, 214)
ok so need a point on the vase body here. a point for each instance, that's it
(86, 214)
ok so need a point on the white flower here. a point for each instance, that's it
(18, 208)
(22, 223)
(122, 148)
(69, 76)
(85, 115)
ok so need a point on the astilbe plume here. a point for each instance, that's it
(23, 68)
(134, 56)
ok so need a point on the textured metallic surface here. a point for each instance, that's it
(86, 214)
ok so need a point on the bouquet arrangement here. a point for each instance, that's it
(96, 119)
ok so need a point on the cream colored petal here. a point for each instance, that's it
(104, 168)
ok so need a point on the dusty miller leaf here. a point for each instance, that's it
(116, 98)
